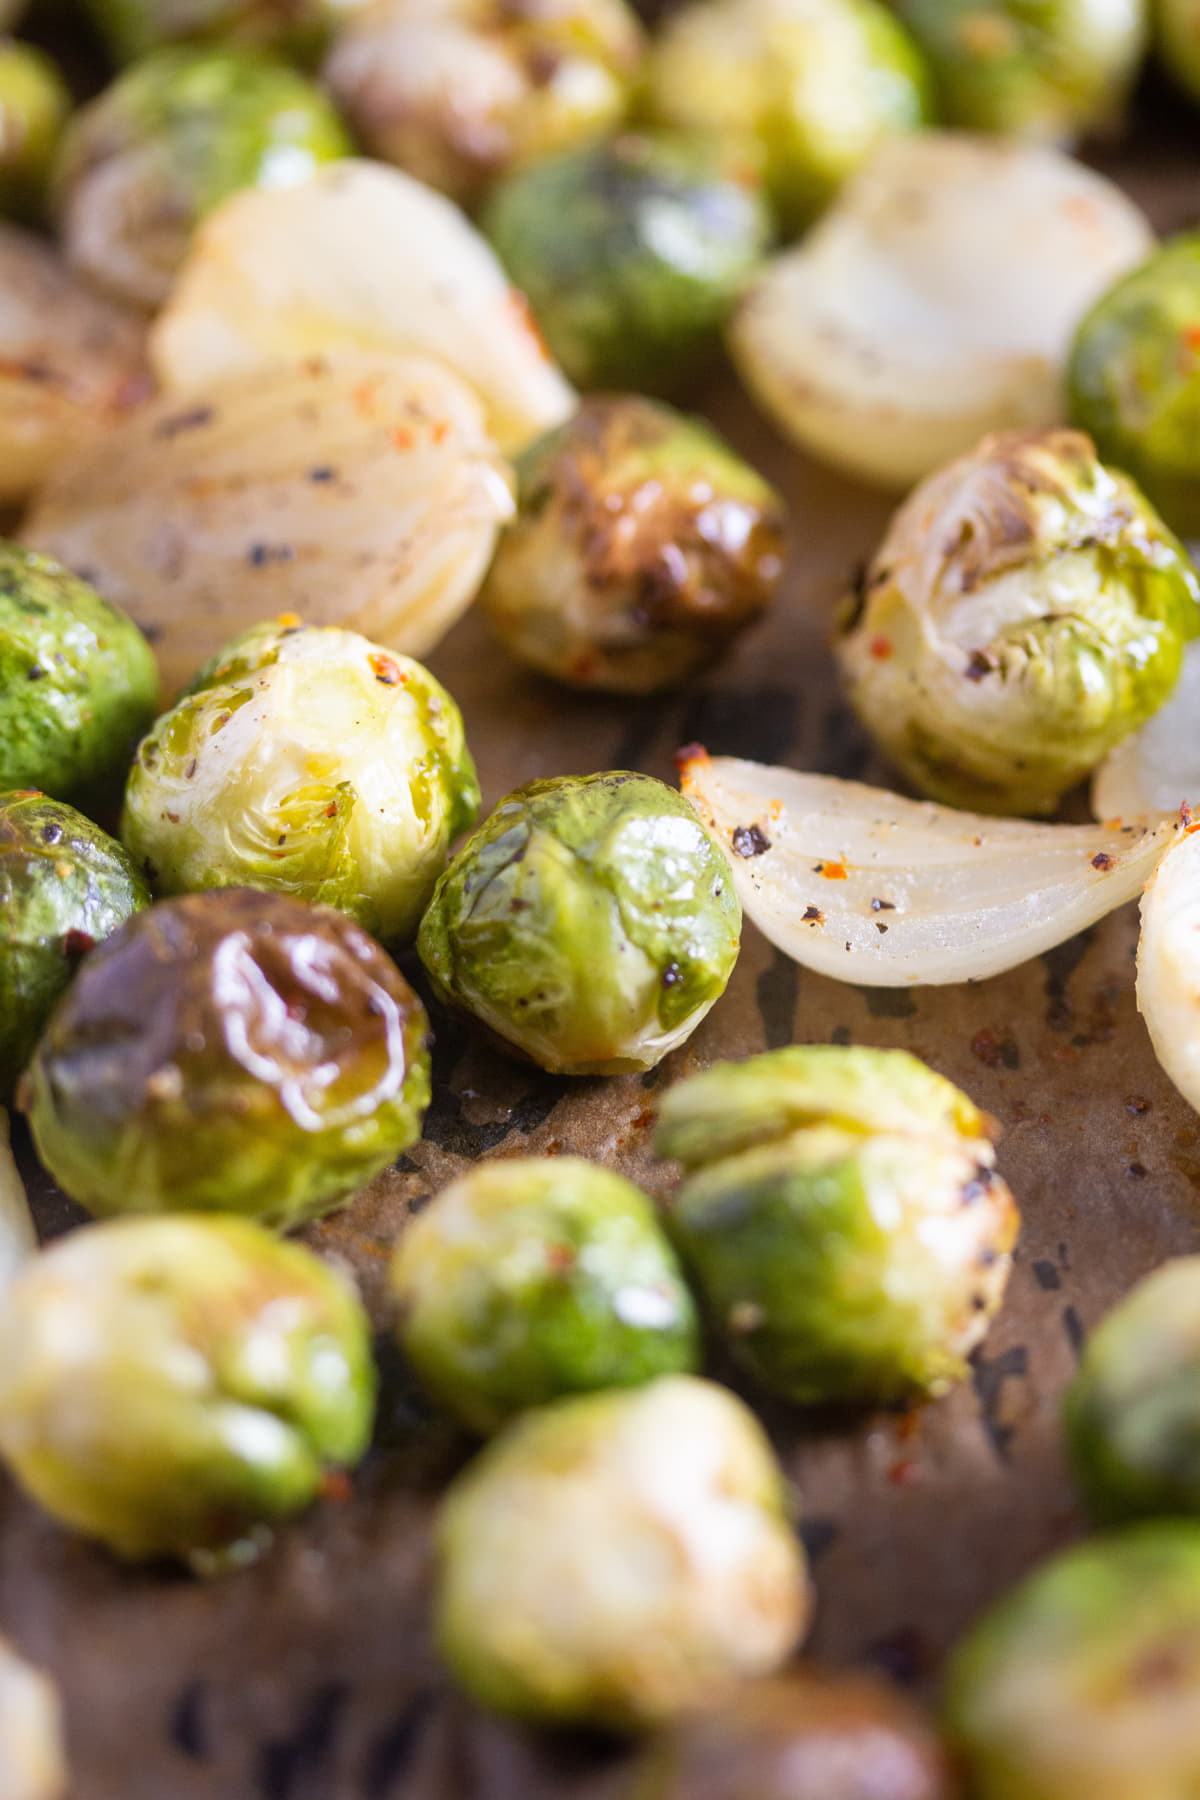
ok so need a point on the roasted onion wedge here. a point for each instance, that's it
(869, 887)
(1157, 770)
(1168, 980)
(350, 490)
(18, 1240)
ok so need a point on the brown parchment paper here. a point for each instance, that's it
(311, 1676)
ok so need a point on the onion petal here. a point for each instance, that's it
(869, 887)
(1157, 770)
(1168, 978)
(18, 1239)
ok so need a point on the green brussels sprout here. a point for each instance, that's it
(804, 89)
(642, 546)
(171, 1386)
(460, 92)
(34, 103)
(312, 761)
(590, 923)
(64, 885)
(1047, 72)
(295, 27)
(229, 1051)
(78, 683)
(631, 254)
(171, 138)
(1176, 26)
(843, 1218)
(535, 1277)
(1026, 610)
(1132, 1414)
(806, 1735)
(1083, 1682)
(1134, 379)
(32, 1765)
(618, 1558)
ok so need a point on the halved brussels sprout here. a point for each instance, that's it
(234, 1052)
(642, 546)
(843, 1218)
(173, 1386)
(32, 1764)
(166, 143)
(535, 1277)
(804, 89)
(78, 683)
(34, 103)
(1026, 610)
(1177, 40)
(458, 92)
(64, 886)
(312, 761)
(619, 1558)
(349, 489)
(1083, 1681)
(805, 1735)
(631, 254)
(590, 923)
(1134, 379)
(1132, 1414)
(1051, 72)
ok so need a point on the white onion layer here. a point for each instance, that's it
(869, 887)
(1168, 984)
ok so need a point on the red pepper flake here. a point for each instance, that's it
(834, 871)
(386, 669)
(1102, 861)
(402, 438)
(525, 318)
(440, 432)
(336, 1486)
(905, 1473)
(78, 943)
(366, 397)
(331, 810)
(561, 1258)
(688, 754)
(881, 648)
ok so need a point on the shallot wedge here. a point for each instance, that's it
(1157, 770)
(1168, 979)
(866, 886)
(18, 1239)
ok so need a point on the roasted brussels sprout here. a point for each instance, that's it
(631, 254)
(1132, 1414)
(1049, 72)
(1026, 610)
(310, 760)
(590, 923)
(78, 683)
(1083, 1681)
(535, 1277)
(64, 886)
(298, 27)
(804, 89)
(619, 1558)
(34, 103)
(1177, 38)
(169, 140)
(843, 1218)
(1134, 379)
(807, 1735)
(32, 1766)
(642, 546)
(230, 1051)
(171, 1386)
(459, 92)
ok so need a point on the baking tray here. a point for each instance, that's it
(311, 1676)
